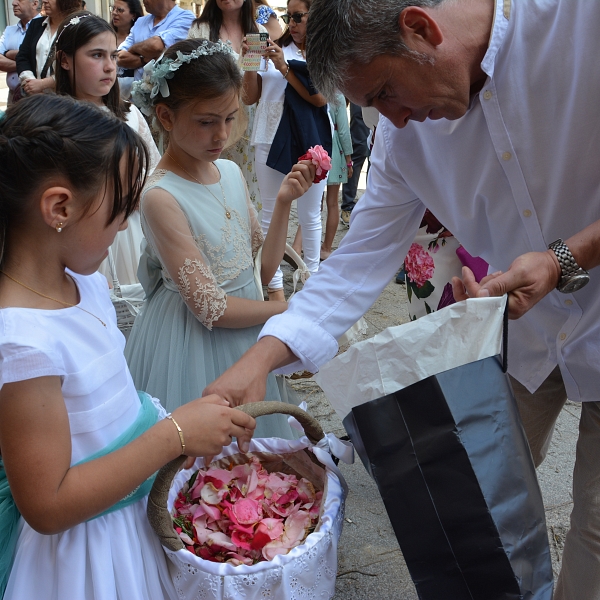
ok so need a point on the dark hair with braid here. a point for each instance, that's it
(212, 14)
(69, 39)
(46, 136)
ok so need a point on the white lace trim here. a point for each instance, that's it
(210, 300)
(266, 122)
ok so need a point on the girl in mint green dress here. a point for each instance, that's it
(204, 307)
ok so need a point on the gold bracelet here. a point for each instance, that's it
(179, 432)
(287, 72)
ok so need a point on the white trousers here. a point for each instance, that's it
(308, 207)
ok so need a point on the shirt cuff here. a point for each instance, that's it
(24, 75)
(312, 344)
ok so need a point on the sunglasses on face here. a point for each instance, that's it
(116, 9)
(296, 17)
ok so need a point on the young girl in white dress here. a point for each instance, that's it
(86, 68)
(203, 306)
(78, 445)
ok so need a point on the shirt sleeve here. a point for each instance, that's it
(3, 47)
(384, 223)
(168, 232)
(343, 128)
(178, 29)
(21, 359)
(130, 39)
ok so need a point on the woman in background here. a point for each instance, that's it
(35, 60)
(124, 14)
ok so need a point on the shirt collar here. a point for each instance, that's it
(499, 27)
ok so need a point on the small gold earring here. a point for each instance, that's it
(59, 227)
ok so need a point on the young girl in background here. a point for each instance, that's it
(203, 307)
(86, 51)
(79, 446)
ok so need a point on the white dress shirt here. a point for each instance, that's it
(518, 171)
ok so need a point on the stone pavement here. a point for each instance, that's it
(370, 563)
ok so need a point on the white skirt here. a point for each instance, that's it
(113, 557)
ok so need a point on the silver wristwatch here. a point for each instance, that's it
(572, 277)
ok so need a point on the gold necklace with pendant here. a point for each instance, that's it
(224, 202)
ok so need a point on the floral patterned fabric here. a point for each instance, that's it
(434, 258)
(430, 265)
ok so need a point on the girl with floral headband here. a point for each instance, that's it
(78, 445)
(203, 306)
(86, 51)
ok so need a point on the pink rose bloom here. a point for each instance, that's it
(247, 511)
(319, 157)
(419, 265)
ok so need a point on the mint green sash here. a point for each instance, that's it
(9, 513)
(147, 417)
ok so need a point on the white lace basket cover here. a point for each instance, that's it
(306, 572)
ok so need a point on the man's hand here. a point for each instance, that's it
(246, 380)
(529, 278)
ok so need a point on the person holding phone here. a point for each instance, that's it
(230, 21)
(291, 117)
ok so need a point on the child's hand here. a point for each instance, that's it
(296, 182)
(209, 423)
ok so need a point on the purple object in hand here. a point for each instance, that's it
(476, 264)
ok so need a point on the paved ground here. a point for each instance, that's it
(370, 562)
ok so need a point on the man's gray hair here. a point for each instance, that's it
(345, 33)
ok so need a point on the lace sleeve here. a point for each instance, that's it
(168, 232)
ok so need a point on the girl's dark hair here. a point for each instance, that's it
(69, 39)
(135, 8)
(203, 78)
(45, 137)
(212, 15)
(66, 7)
(286, 38)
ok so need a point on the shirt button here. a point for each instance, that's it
(563, 337)
(487, 94)
(506, 156)
(568, 302)
(526, 213)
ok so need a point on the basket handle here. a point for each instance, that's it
(158, 514)
(312, 427)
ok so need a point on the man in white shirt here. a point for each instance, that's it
(11, 39)
(165, 24)
(490, 120)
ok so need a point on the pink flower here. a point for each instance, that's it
(247, 511)
(319, 157)
(419, 265)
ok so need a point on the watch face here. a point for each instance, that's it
(573, 283)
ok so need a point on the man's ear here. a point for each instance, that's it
(419, 30)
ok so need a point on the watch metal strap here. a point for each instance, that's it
(568, 264)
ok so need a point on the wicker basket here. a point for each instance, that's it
(127, 306)
(308, 570)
